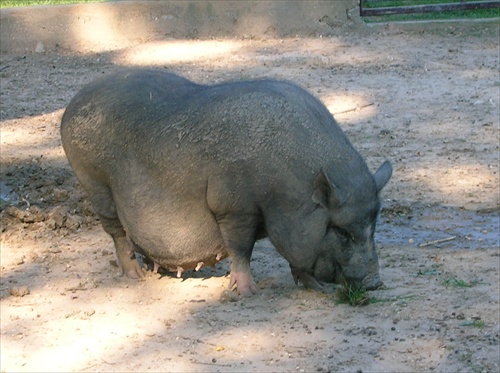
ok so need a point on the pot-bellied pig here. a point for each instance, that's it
(191, 174)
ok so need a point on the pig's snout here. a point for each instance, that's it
(372, 282)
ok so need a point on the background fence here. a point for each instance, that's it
(370, 8)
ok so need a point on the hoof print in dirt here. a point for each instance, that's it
(229, 296)
(19, 291)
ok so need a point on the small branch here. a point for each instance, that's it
(96, 364)
(104, 361)
(429, 243)
(215, 364)
(355, 109)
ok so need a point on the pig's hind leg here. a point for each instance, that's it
(124, 249)
(102, 200)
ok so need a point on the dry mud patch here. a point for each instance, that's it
(429, 102)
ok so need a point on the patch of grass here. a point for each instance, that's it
(19, 3)
(353, 295)
(427, 272)
(456, 282)
(478, 324)
(449, 281)
(475, 323)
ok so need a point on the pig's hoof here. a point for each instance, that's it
(244, 283)
(247, 290)
(132, 269)
(135, 273)
(129, 265)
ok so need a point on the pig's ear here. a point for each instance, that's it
(326, 194)
(382, 175)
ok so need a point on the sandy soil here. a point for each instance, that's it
(427, 101)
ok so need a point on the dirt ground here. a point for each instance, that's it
(428, 101)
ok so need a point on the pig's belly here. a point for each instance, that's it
(172, 230)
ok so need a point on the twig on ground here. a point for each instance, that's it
(435, 242)
(355, 109)
(215, 364)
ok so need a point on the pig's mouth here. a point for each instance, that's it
(372, 282)
(369, 282)
(310, 282)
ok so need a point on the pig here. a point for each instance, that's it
(189, 174)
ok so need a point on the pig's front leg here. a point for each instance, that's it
(238, 232)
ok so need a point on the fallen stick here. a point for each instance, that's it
(356, 108)
(429, 243)
(201, 363)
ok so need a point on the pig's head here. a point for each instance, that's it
(341, 229)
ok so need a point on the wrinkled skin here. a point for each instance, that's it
(190, 174)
